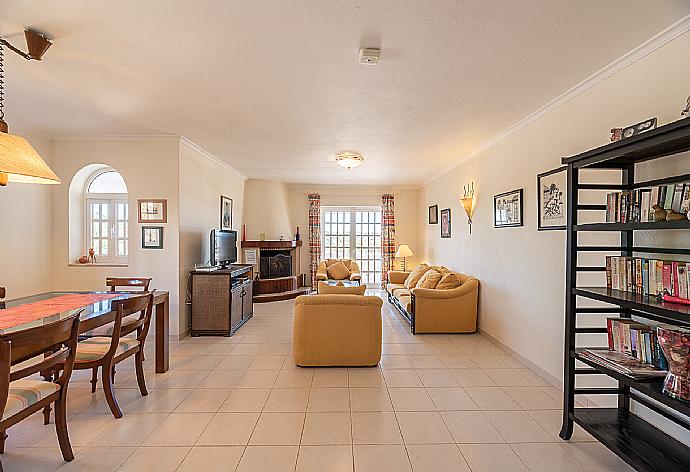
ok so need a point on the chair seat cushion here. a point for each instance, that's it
(26, 392)
(405, 301)
(97, 347)
(107, 330)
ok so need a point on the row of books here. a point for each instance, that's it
(648, 276)
(637, 340)
(637, 205)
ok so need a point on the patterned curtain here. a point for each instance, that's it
(387, 236)
(314, 234)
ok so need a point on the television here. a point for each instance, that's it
(223, 247)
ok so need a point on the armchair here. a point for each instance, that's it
(352, 266)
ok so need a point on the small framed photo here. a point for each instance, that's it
(552, 194)
(445, 223)
(225, 213)
(152, 237)
(153, 210)
(433, 215)
(508, 209)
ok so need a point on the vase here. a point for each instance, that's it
(675, 343)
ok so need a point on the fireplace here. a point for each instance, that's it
(275, 263)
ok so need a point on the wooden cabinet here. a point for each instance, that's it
(221, 301)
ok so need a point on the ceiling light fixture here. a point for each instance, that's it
(349, 160)
(19, 161)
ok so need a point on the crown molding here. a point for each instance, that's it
(674, 31)
(212, 157)
(118, 137)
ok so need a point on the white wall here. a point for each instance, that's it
(203, 180)
(25, 231)
(266, 203)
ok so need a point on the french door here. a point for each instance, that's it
(354, 233)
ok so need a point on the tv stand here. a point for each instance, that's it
(221, 300)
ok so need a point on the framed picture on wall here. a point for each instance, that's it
(433, 215)
(508, 209)
(152, 237)
(551, 199)
(225, 213)
(153, 210)
(445, 223)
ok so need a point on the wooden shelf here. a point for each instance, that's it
(650, 226)
(271, 244)
(637, 442)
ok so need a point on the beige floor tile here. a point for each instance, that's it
(105, 459)
(335, 377)
(471, 427)
(457, 361)
(552, 421)
(130, 430)
(472, 378)
(423, 427)
(157, 401)
(258, 379)
(228, 429)
(327, 429)
(392, 349)
(212, 459)
(518, 426)
(395, 362)
(83, 429)
(278, 429)
(532, 398)
(370, 399)
(267, 363)
(547, 458)
(33, 459)
(490, 361)
(294, 378)
(268, 459)
(375, 428)
(179, 429)
(492, 458)
(234, 362)
(436, 457)
(366, 377)
(158, 459)
(329, 399)
(246, 400)
(452, 398)
(222, 379)
(204, 400)
(287, 400)
(402, 378)
(320, 458)
(194, 362)
(491, 398)
(377, 458)
(411, 399)
(417, 349)
(509, 377)
(596, 457)
(437, 378)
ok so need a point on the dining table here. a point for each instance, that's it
(44, 308)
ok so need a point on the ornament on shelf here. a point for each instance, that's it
(672, 215)
(616, 134)
(297, 236)
(659, 213)
(676, 346)
(686, 111)
(83, 260)
(92, 256)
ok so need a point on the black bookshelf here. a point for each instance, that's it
(635, 440)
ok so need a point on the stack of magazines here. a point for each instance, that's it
(622, 363)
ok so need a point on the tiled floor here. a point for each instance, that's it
(437, 403)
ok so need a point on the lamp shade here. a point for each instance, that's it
(19, 162)
(404, 251)
(468, 205)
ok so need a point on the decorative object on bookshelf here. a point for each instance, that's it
(433, 215)
(616, 134)
(639, 128)
(508, 209)
(676, 346)
(445, 223)
(467, 202)
(659, 213)
(672, 215)
(654, 203)
(225, 213)
(551, 201)
(685, 113)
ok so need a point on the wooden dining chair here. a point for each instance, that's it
(128, 282)
(2, 298)
(107, 351)
(21, 396)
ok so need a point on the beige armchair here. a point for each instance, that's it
(337, 330)
(352, 266)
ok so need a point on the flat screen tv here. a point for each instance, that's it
(223, 247)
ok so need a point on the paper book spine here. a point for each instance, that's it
(654, 200)
(651, 283)
(644, 288)
(638, 276)
(629, 274)
(614, 273)
(687, 279)
(648, 347)
(616, 335)
(674, 278)
(677, 197)
(667, 283)
(633, 342)
(682, 280)
(646, 196)
(670, 190)
(608, 272)
(609, 332)
(627, 345)
(659, 277)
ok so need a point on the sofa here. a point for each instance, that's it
(337, 330)
(353, 273)
(431, 310)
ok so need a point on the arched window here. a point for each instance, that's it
(107, 215)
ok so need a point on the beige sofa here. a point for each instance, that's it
(352, 266)
(337, 330)
(436, 311)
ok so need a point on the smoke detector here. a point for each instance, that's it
(369, 56)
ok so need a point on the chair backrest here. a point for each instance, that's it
(114, 282)
(142, 304)
(2, 293)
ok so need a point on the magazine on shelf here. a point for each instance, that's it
(622, 363)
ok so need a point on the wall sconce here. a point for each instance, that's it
(467, 202)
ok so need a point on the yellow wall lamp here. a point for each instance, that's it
(467, 201)
(19, 161)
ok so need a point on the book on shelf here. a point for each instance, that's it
(636, 206)
(637, 340)
(648, 276)
(622, 363)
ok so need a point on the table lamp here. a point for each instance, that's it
(404, 251)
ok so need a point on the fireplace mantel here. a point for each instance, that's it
(271, 244)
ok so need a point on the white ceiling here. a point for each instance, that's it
(275, 87)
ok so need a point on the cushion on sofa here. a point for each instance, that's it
(406, 302)
(430, 279)
(338, 271)
(449, 282)
(326, 289)
(442, 269)
(391, 288)
(415, 275)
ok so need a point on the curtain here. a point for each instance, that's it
(387, 236)
(314, 235)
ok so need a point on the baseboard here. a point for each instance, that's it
(179, 337)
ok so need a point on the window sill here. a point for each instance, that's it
(97, 264)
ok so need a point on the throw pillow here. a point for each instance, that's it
(442, 269)
(326, 289)
(430, 279)
(338, 271)
(449, 282)
(415, 275)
